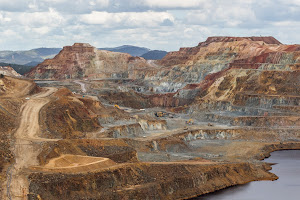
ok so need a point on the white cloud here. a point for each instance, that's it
(75, 6)
(8, 33)
(223, 15)
(290, 2)
(14, 5)
(37, 19)
(174, 3)
(4, 19)
(157, 24)
(127, 19)
(41, 30)
(286, 24)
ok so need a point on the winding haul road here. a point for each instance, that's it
(26, 147)
(82, 85)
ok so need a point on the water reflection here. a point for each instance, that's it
(287, 187)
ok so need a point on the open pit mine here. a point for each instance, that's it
(95, 124)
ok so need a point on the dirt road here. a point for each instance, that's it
(27, 145)
(82, 85)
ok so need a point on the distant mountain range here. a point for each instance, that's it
(132, 50)
(23, 61)
(29, 57)
(138, 51)
(154, 55)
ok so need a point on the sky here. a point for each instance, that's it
(155, 24)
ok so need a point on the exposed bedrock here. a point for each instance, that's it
(270, 121)
(137, 100)
(129, 130)
(182, 139)
(134, 129)
(8, 71)
(70, 116)
(266, 101)
(150, 125)
(145, 181)
(83, 60)
(269, 148)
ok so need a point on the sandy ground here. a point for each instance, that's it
(21, 86)
(75, 164)
(26, 145)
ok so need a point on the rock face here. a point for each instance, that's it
(214, 47)
(176, 69)
(8, 71)
(69, 116)
(144, 181)
(219, 69)
(192, 65)
(83, 60)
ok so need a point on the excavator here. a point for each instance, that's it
(160, 114)
(190, 122)
(116, 106)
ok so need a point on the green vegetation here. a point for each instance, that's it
(21, 69)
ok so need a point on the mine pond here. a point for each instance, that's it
(286, 187)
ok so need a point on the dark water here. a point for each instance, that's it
(287, 187)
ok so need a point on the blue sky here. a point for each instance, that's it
(156, 24)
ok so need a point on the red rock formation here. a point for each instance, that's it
(69, 63)
(83, 60)
(267, 40)
(242, 47)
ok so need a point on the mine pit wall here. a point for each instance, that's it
(266, 101)
(209, 105)
(150, 125)
(277, 107)
(145, 181)
(138, 100)
(269, 148)
(167, 100)
(295, 109)
(255, 121)
(180, 142)
(135, 129)
(248, 103)
(272, 121)
(130, 130)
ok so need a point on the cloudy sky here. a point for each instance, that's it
(156, 24)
